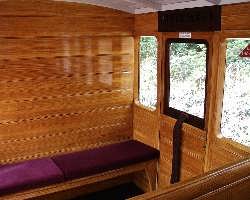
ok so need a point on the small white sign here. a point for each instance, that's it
(185, 35)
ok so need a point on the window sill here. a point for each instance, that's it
(233, 143)
(137, 103)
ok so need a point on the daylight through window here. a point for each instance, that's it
(187, 79)
(235, 123)
(148, 71)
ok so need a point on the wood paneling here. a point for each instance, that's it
(146, 23)
(66, 75)
(29, 18)
(236, 17)
(193, 151)
(231, 182)
(235, 24)
(221, 151)
(146, 126)
(145, 120)
(194, 139)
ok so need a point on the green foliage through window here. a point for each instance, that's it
(187, 62)
(235, 123)
(148, 71)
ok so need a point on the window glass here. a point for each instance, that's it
(148, 71)
(187, 76)
(235, 122)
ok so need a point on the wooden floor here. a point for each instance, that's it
(120, 192)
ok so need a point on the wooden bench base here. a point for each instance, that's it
(231, 182)
(149, 168)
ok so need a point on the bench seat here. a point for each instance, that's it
(29, 174)
(63, 168)
(89, 162)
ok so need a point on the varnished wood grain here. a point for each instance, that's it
(84, 190)
(146, 126)
(236, 17)
(197, 159)
(51, 18)
(65, 78)
(145, 120)
(221, 151)
(146, 23)
(193, 151)
(194, 139)
(230, 182)
(66, 83)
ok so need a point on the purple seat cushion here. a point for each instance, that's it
(29, 174)
(89, 162)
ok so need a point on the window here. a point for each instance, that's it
(148, 71)
(186, 66)
(235, 122)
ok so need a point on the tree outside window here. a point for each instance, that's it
(148, 71)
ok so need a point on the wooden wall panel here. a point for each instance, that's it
(50, 18)
(235, 23)
(66, 77)
(193, 151)
(231, 182)
(194, 139)
(221, 151)
(236, 17)
(196, 158)
(146, 23)
(145, 120)
(145, 125)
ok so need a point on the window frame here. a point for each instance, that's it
(220, 91)
(138, 72)
(172, 112)
(217, 74)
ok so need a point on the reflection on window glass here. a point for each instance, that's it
(187, 63)
(235, 123)
(148, 71)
